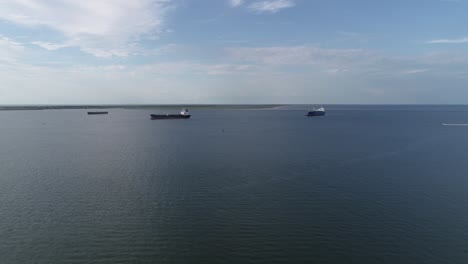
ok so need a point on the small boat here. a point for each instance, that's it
(98, 113)
(316, 112)
(455, 124)
(184, 114)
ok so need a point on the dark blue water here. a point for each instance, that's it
(364, 184)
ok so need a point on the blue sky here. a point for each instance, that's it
(233, 51)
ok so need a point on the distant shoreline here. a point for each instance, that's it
(204, 106)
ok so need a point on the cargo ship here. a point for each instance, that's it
(316, 112)
(184, 114)
(98, 113)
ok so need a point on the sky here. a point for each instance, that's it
(233, 52)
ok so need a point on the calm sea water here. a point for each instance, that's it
(365, 184)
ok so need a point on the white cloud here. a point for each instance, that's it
(445, 58)
(10, 45)
(299, 55)
(149, 83)
(349, 62)
(235, 3)
(336, 71)
(247, 74)
(48, 45)
(415, 71)
(103, 28)
(10, 50)
(271, 6)
(449, 41)
(347, 36)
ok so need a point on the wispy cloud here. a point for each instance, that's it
(235, 3)
(349, 62)
(449, 41)
(271, 6)
(415, 71)
(10, 45)
(299, 55)
(148, 83)
(349, 34)
(446, 58)
(10, 50)
(335, 71)
(284, 73)
(48, 45)
(103, 28)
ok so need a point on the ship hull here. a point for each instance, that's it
(316, 113)
(158, 117)
(98, 113)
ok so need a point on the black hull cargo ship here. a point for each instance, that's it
(98, 113)
(316, 112)
(183, 115)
